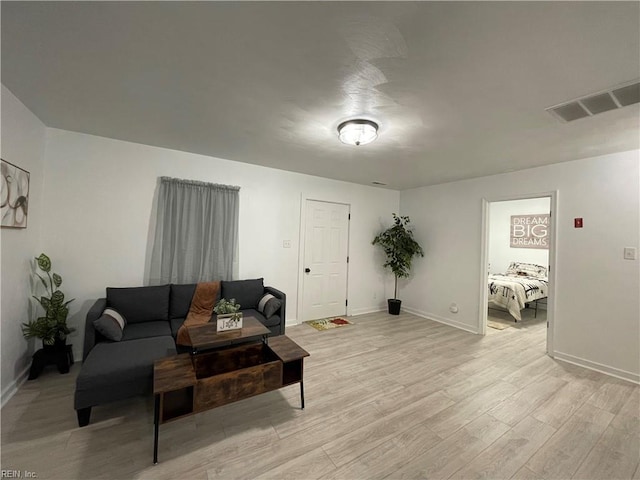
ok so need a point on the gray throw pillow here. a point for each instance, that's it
(268, 305)
(110, 324)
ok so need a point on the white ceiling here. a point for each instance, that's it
(459, 88)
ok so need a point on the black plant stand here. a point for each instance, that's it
(59, 355)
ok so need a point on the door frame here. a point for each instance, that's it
(484, 256)
(302, 234)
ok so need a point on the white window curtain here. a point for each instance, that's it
(196, 237)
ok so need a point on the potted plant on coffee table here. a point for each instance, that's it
(400, 247)
(228, 316)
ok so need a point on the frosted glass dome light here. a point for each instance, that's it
(358, 132)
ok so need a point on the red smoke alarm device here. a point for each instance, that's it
(577, 223)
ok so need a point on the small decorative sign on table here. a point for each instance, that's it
(229, 321)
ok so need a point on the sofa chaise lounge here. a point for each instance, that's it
(115, 370)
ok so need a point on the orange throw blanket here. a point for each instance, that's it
(200, 311)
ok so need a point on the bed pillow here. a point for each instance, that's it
(527, 269)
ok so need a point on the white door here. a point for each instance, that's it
(326, 247)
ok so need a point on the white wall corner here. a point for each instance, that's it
(598, 367)
(291, 322)
(13, 387)
(439, 319)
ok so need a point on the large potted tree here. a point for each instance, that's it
(400, 247)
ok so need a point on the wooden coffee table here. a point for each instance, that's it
(213, 376)
(205, 337)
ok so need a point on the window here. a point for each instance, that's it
(196, 232)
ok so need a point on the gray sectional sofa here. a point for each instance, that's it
(117, 370)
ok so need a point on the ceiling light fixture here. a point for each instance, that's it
(358, 131)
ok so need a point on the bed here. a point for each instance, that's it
(522, 283)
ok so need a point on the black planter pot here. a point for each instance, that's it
(58, 345)
(394, 306)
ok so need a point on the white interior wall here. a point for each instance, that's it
(95, 215)
(23, 141)
(100, 194)
(602, 334)
(501, 254)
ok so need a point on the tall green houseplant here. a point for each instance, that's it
(400, 247)
(53, 326)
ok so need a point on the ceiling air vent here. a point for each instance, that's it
(590, 105)
(628, 95)
(571, 111)
(599, 103)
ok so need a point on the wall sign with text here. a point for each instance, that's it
(529, 231)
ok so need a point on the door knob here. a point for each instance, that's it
(307, 270)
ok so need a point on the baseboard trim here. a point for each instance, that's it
(13, 387)
(598, 367)
(365, 310)
(439, 319)
(291, 322)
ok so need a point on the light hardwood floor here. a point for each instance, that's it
(388, 397)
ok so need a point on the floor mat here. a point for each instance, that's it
(496, 325)
(328, 323)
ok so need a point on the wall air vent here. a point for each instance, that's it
(611, 99)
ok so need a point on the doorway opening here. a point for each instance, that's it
(518, 265)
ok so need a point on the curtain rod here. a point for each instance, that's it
(198, 183)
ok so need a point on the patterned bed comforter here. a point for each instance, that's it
(512, 292)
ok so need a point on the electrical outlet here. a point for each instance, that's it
(375, 296)
(630, 253)
(286, 244)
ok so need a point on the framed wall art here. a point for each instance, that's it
(530, 231)
(14, 196)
